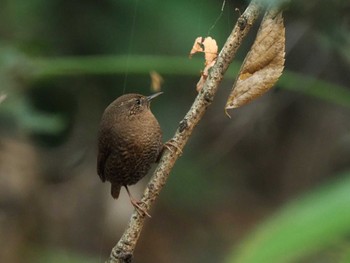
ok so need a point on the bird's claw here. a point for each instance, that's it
(137, 204)
(140, 210)
(172, 143)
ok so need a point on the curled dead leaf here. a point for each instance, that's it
(197, 46)
(204, 76)
(210, 48)
(264, 63)
(156, 81)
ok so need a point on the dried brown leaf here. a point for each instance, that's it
(264, 63)
(210, 48)
(156, 81)
(204, 76)
(197, 46)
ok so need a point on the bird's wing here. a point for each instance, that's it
(101, 161)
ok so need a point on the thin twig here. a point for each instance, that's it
(218, 18)
(123, 251)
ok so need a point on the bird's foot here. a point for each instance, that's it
(137, 204)
(171, 143)
(140, 210)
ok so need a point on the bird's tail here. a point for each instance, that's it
(115, 190)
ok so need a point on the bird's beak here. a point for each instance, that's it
(151, 97)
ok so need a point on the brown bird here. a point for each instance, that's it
(129, 141)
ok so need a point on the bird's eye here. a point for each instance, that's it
(138, 101)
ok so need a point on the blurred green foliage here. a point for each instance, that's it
(62, 62)
(59, 256)
(304, 227)
(20, 64)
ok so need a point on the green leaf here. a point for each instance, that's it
(303, 227)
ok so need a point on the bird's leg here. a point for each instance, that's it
(137, 204)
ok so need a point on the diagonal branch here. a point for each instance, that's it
(124, 249)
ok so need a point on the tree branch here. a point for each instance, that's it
(123, 251)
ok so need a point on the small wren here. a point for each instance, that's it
(129, 141)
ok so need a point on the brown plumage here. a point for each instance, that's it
(129, 141)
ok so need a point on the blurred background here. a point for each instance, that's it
(63, 62)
